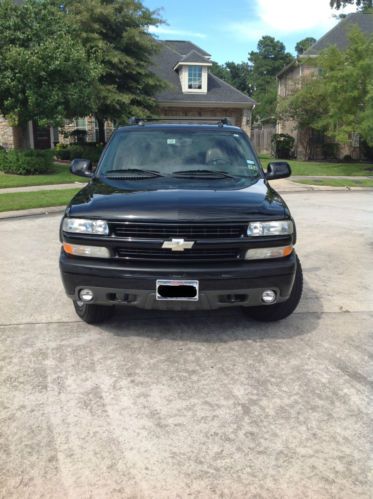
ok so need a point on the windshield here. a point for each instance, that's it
(180, 152)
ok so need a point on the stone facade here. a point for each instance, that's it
(6, 134)
(88, 124)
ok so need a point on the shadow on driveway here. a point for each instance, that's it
(222, 325)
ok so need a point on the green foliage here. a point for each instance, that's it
(27, 162)
(86, 151)
(117, 32)
(283, 145)
(330, 150)
(46, 74)
(305, 106)
(304, 44)
(267, 62)
(360, 4)
(237, 74)
(337, 100)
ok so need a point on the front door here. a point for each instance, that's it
(42, 136)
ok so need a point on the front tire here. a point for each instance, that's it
(93, 314)
(271, 313)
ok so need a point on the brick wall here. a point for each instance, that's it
(239, 117)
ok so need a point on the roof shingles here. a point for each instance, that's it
(339, 34)
(219, 92)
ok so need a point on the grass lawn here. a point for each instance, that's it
(37, 199)
(339, 182)
(318, 168)
(59, 174)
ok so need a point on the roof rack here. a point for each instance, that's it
(142, 121)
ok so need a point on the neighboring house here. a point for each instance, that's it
(192, 92)
(313, 144)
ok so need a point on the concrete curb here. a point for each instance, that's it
(38, 188)
(7, 215)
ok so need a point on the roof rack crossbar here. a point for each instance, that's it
(142, 121)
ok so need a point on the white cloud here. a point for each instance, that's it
(160, 30)
(296, 15)
(279, 17)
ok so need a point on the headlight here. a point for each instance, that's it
(277, 228)
(83, 226)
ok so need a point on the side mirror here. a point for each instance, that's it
(81, 167)
(278, 169)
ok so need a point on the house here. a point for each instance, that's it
(310, 144)
(192, 92)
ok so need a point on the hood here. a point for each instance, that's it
(155, 201)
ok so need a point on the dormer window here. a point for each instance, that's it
(195, 77)
(193, 73)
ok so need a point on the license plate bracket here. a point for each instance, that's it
(177, 290)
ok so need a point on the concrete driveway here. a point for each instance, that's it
(166, 405)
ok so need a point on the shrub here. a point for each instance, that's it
(330, 150)
(91, 151)
(283, 145)
(347, 158)
(62, 151)
(367, 150)
(26, 162)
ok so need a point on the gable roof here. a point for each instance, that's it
(194, 56)
(339, 34)
(336, 36)
(184, 47)
(219, 92)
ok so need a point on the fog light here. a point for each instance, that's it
(86, 295)
(268, 296)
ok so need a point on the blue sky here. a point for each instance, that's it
(229, 29)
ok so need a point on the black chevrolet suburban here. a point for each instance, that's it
(182, 217)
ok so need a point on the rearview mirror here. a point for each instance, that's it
(278, 169)
(81, 167)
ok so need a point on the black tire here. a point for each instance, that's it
(93, 314)
(271, 313)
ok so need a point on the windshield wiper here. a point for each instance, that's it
(202, 174)
(132, 172)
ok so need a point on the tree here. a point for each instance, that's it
(117, 31)
(237, 74)
(337, 100)
(360, 4)
(304, 44)
(267, 62)
(221, 71)
(46, 74)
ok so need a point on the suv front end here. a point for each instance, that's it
(195, 242)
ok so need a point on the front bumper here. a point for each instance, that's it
(114, 283)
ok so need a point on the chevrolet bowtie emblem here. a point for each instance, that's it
(178, 244)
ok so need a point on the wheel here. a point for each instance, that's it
(270, 313)
(93, 314)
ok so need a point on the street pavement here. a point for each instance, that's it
(206, 404)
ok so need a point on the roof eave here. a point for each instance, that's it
(238, 105)
(186, 63)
